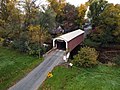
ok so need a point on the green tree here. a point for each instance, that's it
(108, 30)
(110, 21)
(96, 7)
(47, 18)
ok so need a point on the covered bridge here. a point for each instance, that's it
(69, 41)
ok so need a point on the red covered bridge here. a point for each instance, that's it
(69, 41)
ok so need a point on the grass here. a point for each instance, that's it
(14, 66)
(98, 78)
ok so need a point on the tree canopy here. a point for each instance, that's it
(106, 20)
(29, 23)
(68, 16)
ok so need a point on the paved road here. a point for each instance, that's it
(35, 78)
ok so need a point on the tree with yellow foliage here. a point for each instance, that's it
(81, 12)
(57, 5)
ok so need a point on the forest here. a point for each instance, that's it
(29, 27)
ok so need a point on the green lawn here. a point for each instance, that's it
(14, 66)
(98, 78)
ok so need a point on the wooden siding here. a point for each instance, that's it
(74, 42)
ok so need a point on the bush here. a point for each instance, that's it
(117, 60)
(89, 42)
(1, 40)
(86, 57)
(35, 49)
(21, 43)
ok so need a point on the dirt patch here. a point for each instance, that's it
(108, 54)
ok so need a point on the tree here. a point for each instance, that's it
(37, 36)
(57, 5)
(69, 19)
(108, 30)
(68, 16)
(81, 12)
(9, 18)
(21, 43)
(110, 19)
(47, 18)
(96, 7)
(30, 14)
(30, 26)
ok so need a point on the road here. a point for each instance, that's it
(36, 77)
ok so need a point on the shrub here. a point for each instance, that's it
(117, 60)
(89, 42)
(7, 42)
(1, 40)
(86, 57)
(35, 49)
(21, 43)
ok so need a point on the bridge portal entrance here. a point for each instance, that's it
(60, 44)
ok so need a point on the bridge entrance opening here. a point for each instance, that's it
(60, 44)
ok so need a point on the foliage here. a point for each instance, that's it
(14, 66)
(31, 13)
(69, 20)
(36, 49)
(81, 12)
(96, 7)
(117, 60)
(97, 78)
(110, 20)
(1, 40)
(68, 16)
(38, 34)
(26, 23)
(9, 18)
(19, 23)
(57, 5)
(21, 43)
(91, 43)
(32, 41)
(86, 57)
(102, 36)
(47, 18)
(105, 18)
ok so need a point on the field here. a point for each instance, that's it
(14, 66)
(98, 78)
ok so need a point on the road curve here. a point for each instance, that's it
(35, 78)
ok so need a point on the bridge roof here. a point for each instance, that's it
(71, 35)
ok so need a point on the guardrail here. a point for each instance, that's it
(44, 55)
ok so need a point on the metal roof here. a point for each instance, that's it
(71, 35)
